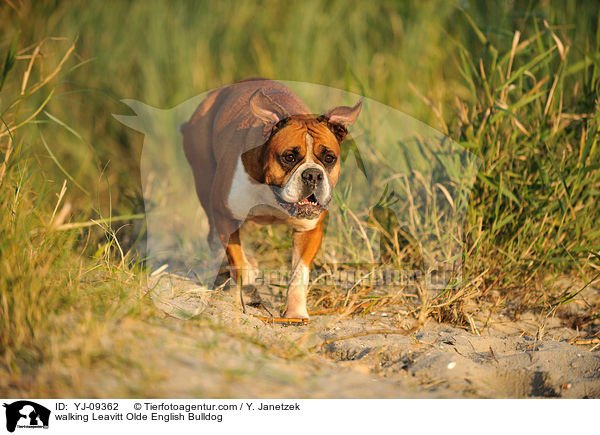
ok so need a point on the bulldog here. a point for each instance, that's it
(258, 154)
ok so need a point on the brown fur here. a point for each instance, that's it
(259, 120)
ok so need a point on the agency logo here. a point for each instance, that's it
(396, 202)
(25, 414)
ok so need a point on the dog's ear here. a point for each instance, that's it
(344, 115)
(340, 118)
(266, 109)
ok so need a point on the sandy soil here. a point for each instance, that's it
(226, 353)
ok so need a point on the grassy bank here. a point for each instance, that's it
(515, 82)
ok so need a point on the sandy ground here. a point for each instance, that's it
(226, 353)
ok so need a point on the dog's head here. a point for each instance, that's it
(301, 159)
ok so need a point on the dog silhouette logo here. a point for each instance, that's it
(26, 414)
(396, 215)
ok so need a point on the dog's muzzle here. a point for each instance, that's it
(307, 192)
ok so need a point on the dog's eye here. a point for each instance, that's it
(289, 157)
(329, 159)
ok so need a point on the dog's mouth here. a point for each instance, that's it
(307, 208)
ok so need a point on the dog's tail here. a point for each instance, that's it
(182, 127)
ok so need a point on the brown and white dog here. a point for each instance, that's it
(258, 154)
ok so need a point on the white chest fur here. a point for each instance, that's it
(247, 194)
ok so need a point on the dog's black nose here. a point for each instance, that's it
(312, 176)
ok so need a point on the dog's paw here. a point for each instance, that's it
(251, 296)
(294, 313)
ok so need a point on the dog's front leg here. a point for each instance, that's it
(238, 264)
(305, 245)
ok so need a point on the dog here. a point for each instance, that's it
(258, 154)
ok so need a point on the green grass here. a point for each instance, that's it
(514, 82)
